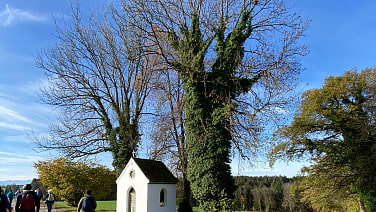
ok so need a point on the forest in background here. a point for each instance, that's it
(269, 193)
(265, 193)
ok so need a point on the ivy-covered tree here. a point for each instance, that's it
(237, 61)
(335, 125)
(69, 180)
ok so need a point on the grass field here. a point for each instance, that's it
(101, 206)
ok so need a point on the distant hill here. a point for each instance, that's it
(17, 182)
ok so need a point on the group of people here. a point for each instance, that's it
(29, 201)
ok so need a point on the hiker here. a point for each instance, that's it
(4, 203)
(39, 194)
(18, 193)
(87, 203)
(26, 201)
(50, 200)
(10, 196)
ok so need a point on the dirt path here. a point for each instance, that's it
(43, 207)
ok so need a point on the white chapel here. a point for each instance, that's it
(146, 186)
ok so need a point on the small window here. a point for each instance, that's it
(162, 198)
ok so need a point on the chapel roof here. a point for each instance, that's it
(155, 171)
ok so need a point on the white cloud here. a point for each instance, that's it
(15, 115)
(10, 15)
(13, 126)
(11, 115)
(16, 158)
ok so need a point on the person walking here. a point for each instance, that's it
(26, 201)
(18, 193)
(4, 202)
(39, 195)
(10, 196)
(50, 200)
(87, 203)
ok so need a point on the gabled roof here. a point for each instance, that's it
(155, 171)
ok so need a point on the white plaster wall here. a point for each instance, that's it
(125, 183)
(153, 197)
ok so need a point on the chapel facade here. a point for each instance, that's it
(146, 186)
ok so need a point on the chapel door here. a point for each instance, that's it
(132, 200)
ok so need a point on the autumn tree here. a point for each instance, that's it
(98, 78)
(69, 180)
(237, 62)
(323, 192)
(335, 126)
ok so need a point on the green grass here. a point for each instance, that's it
(106, 205)
(101, 206)
(63, 205)
(195, 209)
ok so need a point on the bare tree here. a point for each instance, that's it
(168, 137)
(98, 78)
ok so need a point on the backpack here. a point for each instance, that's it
(10, 195)
(39, 194)
(88, 204)
(50, 197)
(27, 202)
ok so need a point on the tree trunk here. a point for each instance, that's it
(361, 206)
(187, 190)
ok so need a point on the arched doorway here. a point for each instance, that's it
(132, 200)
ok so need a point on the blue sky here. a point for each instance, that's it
(340, 37)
